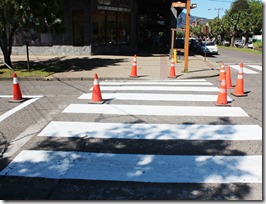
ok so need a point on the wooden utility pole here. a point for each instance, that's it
(187, 36)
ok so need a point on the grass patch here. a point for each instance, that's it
(254, 51)
(7, 73)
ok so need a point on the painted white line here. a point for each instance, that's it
(155, 97)
(24, 96)
(23, 138)
(256, 67)
(152, 131)
(166, 80)
(19, 107)
(156, 83)
(245, 70)
(156, 110)
(6, 96)
(136, 167)
(159, 88)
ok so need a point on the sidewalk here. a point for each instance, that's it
(154, 67)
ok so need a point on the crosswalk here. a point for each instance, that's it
(248, 68)
(235, 167)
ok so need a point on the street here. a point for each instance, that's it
(150, 140)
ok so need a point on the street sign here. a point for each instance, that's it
(206, 29)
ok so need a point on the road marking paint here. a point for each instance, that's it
(136, 167)
(19, 107)
(245, 70)
(155, 97)
(159, 88)
(165, 80)
(197, 83)
(152, 131)
(156, 110)
(256, 67)
(23, 138)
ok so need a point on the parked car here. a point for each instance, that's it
(179, 43)
(225, 43)
(208, 48)
(239, 43)
(250, 44)
(194, 44)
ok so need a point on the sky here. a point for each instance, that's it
(210, 8)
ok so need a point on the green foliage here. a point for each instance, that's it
(40, 15)
(257, 45)
(244, 18)
(196, 30)
(15, 15)
(180, 34)
(239, 6)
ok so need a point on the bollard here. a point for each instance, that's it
(175, 59)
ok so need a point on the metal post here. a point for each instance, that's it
(187, 37)
(28, 61)
(6, 64)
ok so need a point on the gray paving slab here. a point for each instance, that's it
(152, 67)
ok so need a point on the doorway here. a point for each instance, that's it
(153, 27)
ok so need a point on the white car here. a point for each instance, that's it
(225, 43)
(250, 45)
(208, 48)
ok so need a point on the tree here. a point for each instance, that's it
(41, 15)
(251, 19)
(256, 17)
(244, 18)
(196, 30)
(216, 29)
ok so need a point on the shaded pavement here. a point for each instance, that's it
(152, 67)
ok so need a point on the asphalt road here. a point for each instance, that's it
(235, 57)
(19, 132)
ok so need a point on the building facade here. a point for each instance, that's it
(105, 27)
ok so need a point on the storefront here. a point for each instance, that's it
(106, 27)
(112, 26)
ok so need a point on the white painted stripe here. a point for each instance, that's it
(23, 138)
(246, 71)
(19, 107)
(24, 96)
(159, 88)
(167, 80)
(136, 167)
(256, 67)
(156, 110)
(152, 131)
(155, 97)
(156, 83)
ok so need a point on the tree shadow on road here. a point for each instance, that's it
(130, 189)
(62, 64)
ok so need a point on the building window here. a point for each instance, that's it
(110, 27)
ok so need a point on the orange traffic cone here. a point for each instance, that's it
(228, 78)
(96, 91)
(134, 68)
(17, 95)
(222, 71)
(172, 69)
(239, 88)
(222, 96)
